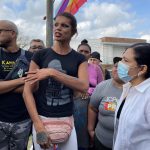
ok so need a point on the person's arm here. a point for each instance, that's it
(93, 109)
(7, 86)
(31, 107)
(21, 88)
(29, 98)
(18, 89)
(92, 117)
(80, 84)
(103, 71)
(100, 76)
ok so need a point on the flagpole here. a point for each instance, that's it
(49, 23)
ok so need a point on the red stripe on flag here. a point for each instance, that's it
(74, 7)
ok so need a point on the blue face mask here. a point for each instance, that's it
(123, 70)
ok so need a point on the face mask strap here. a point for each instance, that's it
(139, 72)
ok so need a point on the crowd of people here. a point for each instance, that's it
(66, 100)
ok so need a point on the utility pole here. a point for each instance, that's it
(49, 23)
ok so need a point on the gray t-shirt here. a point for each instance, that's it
(104, 99)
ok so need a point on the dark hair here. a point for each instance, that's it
(142, 55)
(85, 42)
(73, 20)
(96, 55)
(116, 59)
(37, 40)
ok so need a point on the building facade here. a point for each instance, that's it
(109, 47)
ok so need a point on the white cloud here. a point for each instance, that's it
(84, 25)
(106, 31)
(29, 20)
(116, 30)
(104, 19)
(146, 37)
(105, 14)
(5, 12)
(95, 20)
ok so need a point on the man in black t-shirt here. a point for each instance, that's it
(14, 120)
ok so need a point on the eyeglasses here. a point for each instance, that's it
(4, 30)
(36, 47)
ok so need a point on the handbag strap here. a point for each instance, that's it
(67, 121)
(58, 122)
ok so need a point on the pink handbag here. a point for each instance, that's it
(59, 129)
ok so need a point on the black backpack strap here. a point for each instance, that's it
(21, 63)
(22, 52)
(0, 53)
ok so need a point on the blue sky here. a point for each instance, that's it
(138, 11)
(17, 7)
(96, 19)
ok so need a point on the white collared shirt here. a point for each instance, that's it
(132, 130)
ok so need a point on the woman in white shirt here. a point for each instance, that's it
(132, 117)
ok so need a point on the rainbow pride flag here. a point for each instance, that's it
(71, 6)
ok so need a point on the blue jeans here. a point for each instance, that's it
(80, 120)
